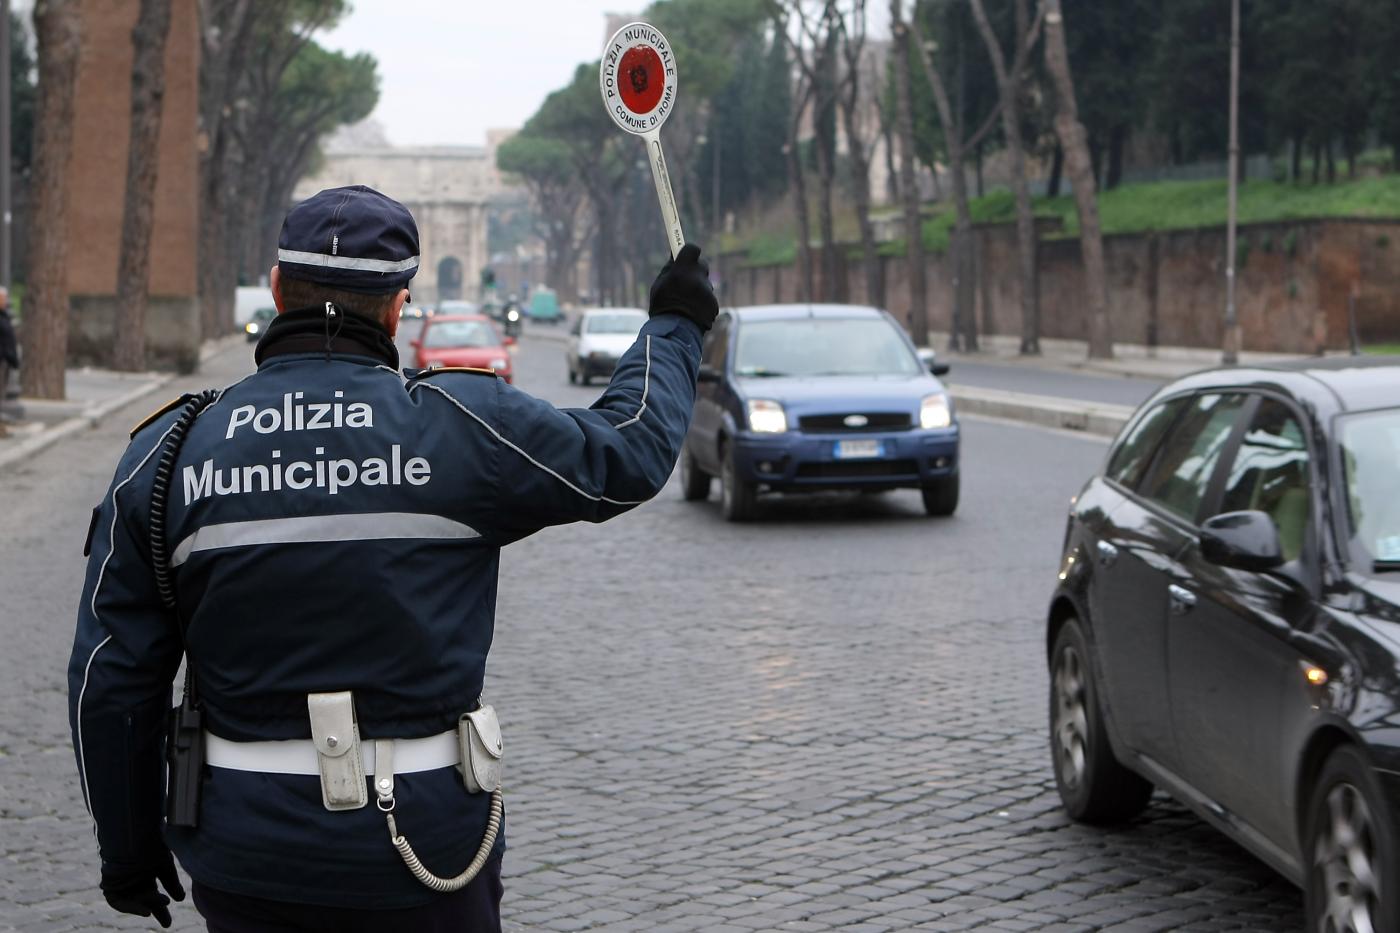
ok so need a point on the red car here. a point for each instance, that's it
(462, 340)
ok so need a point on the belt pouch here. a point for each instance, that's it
(336, 736)
(479, 733)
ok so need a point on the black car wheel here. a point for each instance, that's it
(695, 482)
(738, 499)
(583, 375)
(1094, 786)
(573, 376)
(941, 496)
(1350, 850)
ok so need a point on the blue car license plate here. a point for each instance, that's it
(858, 450)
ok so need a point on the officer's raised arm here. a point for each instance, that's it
(563, 465)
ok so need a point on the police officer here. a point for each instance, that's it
(326, 557)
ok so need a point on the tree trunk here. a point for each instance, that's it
(134, 268)
(226, 35)
(1009, 86)
(1081, 175)
(1296, 167)
(826, 223)
(964, 330)
(1117, 141)
(860, 184)
(1057, 171)
(806, 286)
(913, 225)
(58, 30)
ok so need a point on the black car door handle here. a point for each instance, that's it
(1108, 554)
(1181, 599)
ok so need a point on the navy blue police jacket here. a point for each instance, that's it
(334, 525)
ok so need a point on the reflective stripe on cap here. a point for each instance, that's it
(346, 262)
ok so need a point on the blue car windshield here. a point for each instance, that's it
(823, 347)
(1370, 444)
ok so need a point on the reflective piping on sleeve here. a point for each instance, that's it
(346, 262)
(313, 529)
(92, 604)
(497, 435)
(646, 387)
(82, 757)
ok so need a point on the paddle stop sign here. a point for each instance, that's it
(638, 78)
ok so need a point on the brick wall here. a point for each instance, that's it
(97, 183)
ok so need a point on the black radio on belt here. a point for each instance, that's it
(184, 762)
(184, 740)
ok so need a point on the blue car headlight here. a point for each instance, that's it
(766, 417)
(934, 412)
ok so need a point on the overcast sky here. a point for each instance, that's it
(451, 70)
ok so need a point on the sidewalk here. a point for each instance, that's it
(93, 394)
(1160, 364)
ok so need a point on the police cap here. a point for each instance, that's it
(352, 238)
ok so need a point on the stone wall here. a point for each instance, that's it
(1295, 281)
(97, 186)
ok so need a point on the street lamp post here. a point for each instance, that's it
(1232, 324)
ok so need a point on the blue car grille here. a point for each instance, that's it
(855, 469)
(874, 421)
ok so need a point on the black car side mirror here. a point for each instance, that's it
(708, 374)
(940, 369)
(1242, 540)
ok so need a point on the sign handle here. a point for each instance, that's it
(670, 216)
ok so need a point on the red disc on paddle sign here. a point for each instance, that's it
(640, 79)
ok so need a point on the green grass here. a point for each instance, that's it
(1166, 205)
(1388, 348)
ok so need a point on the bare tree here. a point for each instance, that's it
(964, 334)
(859, 143)
(908, 188)
(58, 29)
(148, 39)
(1080, 169)
(814, 47)
(1009, 85)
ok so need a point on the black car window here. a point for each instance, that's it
(1271, 474)
(1130, 458)
(1188, 456)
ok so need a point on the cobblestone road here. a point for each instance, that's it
(830, 720)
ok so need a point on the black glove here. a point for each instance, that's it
(132, 890)
(683, 287)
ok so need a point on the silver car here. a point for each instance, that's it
(598, 338)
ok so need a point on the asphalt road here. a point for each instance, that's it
(833, 719)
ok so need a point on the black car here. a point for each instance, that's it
(1227, 625)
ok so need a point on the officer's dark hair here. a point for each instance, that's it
(299, 293)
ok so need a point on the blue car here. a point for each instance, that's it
(800, 398)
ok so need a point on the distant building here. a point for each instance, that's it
(448, 189)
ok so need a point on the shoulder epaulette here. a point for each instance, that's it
(425, 373)
(167, 407)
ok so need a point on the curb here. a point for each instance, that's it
(90, 418)
(94, 415)
(1046, 411)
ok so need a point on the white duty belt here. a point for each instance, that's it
(298, 756)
